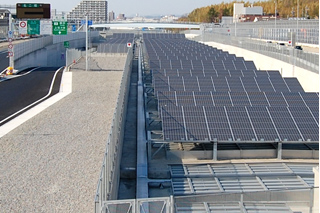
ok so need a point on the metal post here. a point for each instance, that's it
(11, 59)
(86, 42)
(275, 18)
(279, 151)
(235, 26)
(297, 20)
(215, 151)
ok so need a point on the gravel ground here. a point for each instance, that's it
(52, 162)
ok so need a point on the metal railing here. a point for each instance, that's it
(108, 182)
(302, 198)
(306, 31)
(147, 205)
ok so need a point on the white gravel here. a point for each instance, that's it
(52, 162)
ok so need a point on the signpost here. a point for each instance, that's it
(59, 27)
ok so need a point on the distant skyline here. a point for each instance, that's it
(130, 7)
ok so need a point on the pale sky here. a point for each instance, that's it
(131, 7)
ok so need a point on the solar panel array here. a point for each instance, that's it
(207, 94)
(116, 44)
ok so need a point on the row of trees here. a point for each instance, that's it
(285, 9)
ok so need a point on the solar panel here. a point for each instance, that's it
(205, 94)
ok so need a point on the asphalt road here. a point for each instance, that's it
(18, 94)
(4, 60)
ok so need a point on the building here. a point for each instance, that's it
(121, 16)
(240, 11)
(111, 16)
(97, 11)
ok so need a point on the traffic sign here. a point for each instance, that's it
(23, 27)
(59, 27)
(74, 28)
(10, 46)
(66, 44)
(33, 27)
(45, 27)
(10, 54)
(9, 40)
(129, 44)
(10, 34)
(90, 22)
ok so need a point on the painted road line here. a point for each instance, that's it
(67, 89)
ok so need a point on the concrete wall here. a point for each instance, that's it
(50, 56)
(308, 79)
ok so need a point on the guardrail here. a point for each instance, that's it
(108, 182)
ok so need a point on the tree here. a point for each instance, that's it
(212, 15)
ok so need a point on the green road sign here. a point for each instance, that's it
(66, 44)
(33, 27)
(59, 27)
(30, 5)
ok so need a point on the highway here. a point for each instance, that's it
(27, 89)
(4, 60)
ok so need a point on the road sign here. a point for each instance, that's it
(10, 34)
(33, 27)
(74, 28)
(45, 27)
(10, 54)
(66, 44)
(10, 40)
(23, 27)
(59, 27)
(10, 46)
(90, 22)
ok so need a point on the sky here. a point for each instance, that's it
(131, 7)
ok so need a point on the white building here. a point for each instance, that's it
(239, 9)
(97, 11)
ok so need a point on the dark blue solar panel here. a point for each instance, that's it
(293, 85)
(285, 124)
(221, 99)
(204, 93)
(311, 99)
(240, 123)
(262, 123)
(196, 124)
(305, 122)
(276, 99)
